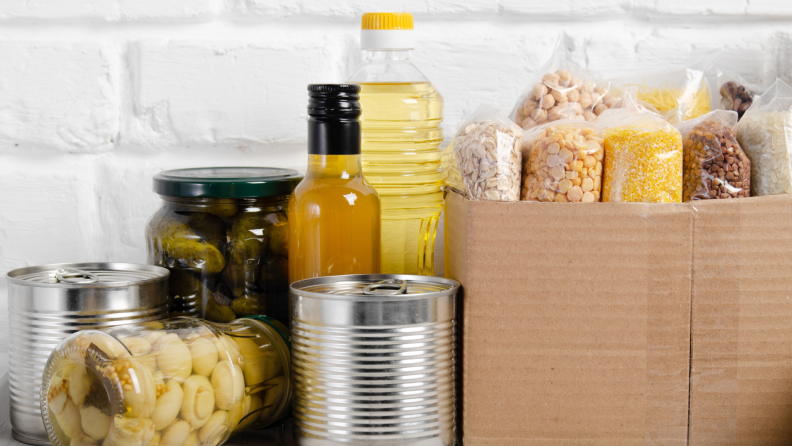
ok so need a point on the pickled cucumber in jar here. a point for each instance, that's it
(223, 234)
(163, 383)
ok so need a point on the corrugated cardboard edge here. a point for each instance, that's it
(741, 357)
(459, 208)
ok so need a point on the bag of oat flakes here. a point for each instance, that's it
(484, 159)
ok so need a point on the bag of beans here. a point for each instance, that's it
(561, 90)
(736, 93)
(715, 166)
(563, 162)
(765, 133)
(484, 160)
(643, 157)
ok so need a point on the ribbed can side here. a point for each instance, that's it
(389, 385)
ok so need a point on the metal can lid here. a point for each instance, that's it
(88, 275)
(376, 286)
(226, 182)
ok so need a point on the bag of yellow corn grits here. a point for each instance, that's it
(643, 156)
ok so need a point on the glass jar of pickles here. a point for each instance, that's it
(177, 382)
(223, 234)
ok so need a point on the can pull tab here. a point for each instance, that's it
(74, 276)
(388, 287)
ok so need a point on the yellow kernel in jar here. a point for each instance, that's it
(642, 165)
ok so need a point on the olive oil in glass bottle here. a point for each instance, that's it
(334, 213)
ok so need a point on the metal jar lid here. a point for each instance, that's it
(373, 299)
(226, 182)
(87, 275)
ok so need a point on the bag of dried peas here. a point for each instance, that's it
(562, 90)
(643, 157)
(678, 95)
(563, 162)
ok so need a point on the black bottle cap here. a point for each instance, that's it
(333, 125)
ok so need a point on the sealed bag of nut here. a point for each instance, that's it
(715, 166)
(563, 162)
(736, 93)
(486, 155)
(562, 90)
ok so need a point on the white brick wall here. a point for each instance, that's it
(96, 96)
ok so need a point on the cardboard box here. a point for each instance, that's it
(741, 367)
(576, 324)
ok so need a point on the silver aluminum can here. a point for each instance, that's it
(48, 303)
(373, 360)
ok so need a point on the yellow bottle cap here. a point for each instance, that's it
(387, 20)
(387, 31)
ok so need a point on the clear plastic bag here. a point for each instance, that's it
(736, 93)
(643, 157)
(765, 133)
(715, 166)
(563, 162)
(678, 95)
(484, 158)
(562, 90)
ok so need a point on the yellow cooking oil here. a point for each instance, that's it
(401, 135)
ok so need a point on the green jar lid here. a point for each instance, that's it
(226, 182)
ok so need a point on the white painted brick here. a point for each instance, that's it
(47, 210)
(58, 9)
(356, 8)
(211, 93)
(157, 9)
(58, 96)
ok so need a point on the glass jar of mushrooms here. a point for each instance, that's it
(182, 381)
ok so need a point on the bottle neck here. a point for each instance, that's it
(386, 55)
(334, 166)
(333, 135)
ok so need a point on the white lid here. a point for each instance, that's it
(387, 39)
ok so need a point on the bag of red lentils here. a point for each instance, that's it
(715, 166)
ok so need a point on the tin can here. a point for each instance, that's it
(48, 303)
(373, 360)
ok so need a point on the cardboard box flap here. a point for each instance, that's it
(741, 366)
(576, 321)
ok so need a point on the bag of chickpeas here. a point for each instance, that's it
(563, 162)
(562, 90)
(715, 166)
(483, 161)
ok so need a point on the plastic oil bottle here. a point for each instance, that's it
(402, 112)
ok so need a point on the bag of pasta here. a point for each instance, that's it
(715, 166)
(678, 95)
(643, 157)
(561, 90)
(484, 158)
(563, 162)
